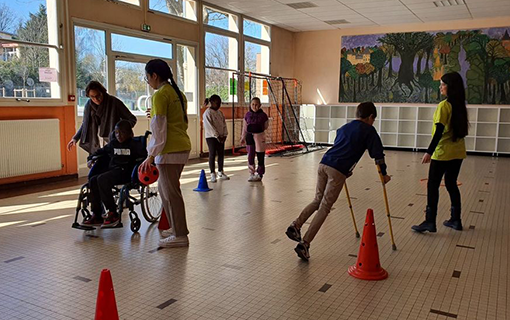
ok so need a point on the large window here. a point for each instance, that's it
(221, 55)
(118, 61)
(220, 19)
(256, 60)
(29, 49)
(225, 46)
(181, 8)
(256, 30)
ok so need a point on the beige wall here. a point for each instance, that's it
(131, 17)
(282, 52)
(317, 54)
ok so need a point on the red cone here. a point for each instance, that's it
(367, 265)
(163, 221)
(106, 307)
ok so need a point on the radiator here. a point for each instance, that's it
(29, 146)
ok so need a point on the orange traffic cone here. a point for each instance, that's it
(367, 265)
(163, 221)
(106, 308)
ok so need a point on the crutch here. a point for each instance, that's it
(350, 207)
(393, 246)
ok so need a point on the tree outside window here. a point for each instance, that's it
(21, 64)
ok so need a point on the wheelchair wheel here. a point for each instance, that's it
(151, 203)
(135, 225)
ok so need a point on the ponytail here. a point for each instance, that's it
(179, 93)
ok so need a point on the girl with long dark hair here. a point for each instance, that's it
(446, 152)
(169, 148)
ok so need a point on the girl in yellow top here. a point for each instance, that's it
(169, 148)
(446, 152)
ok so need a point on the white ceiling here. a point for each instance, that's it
(362, 13)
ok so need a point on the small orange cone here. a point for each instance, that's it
(106, 307)
(367, 265)
(163, 221)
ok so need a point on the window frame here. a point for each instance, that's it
(62, 67)
(169, 15)
(112, 56)
(241, 39)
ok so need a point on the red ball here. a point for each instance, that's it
(148, 176)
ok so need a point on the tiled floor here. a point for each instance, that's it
(240, 265)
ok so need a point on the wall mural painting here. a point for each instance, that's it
(407, 67)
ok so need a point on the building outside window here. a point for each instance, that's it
(29, 44)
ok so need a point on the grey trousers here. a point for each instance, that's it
(329, 185)
(170, 191)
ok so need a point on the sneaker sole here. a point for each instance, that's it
(290, 236)
(422, 231)
(173, 245)
(300, 254)
(111, 225)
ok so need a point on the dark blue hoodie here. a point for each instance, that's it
(351, 141)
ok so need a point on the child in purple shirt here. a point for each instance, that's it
(254, 124)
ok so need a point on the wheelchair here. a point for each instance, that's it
(126, 196)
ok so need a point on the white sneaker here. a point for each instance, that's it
(174, 242)
(257, 177)
(213, 177)
(251, 178)
(167, 233)
(223, 176)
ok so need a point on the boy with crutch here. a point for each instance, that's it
(351, 141)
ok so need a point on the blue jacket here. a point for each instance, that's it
(351, 141)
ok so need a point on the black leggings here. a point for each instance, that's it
(450, 170)
(215, 147)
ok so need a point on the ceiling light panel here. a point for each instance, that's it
(301, 5)
(449, 3)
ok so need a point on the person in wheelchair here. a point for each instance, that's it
(123, 153)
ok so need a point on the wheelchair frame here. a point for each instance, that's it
(123, 200)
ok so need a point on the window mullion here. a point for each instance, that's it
(110, 64)
(240, 91)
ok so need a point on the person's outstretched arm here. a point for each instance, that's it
(376, 151)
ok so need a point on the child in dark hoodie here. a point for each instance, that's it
(123, 152)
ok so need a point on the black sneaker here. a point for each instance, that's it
(302, 250)
(293, 233)
(425, 226)
(454, 224)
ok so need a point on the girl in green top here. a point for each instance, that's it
(446, 152)
(169, 148)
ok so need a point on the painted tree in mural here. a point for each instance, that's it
(378, 60)
(407, 46)
(345, 66)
